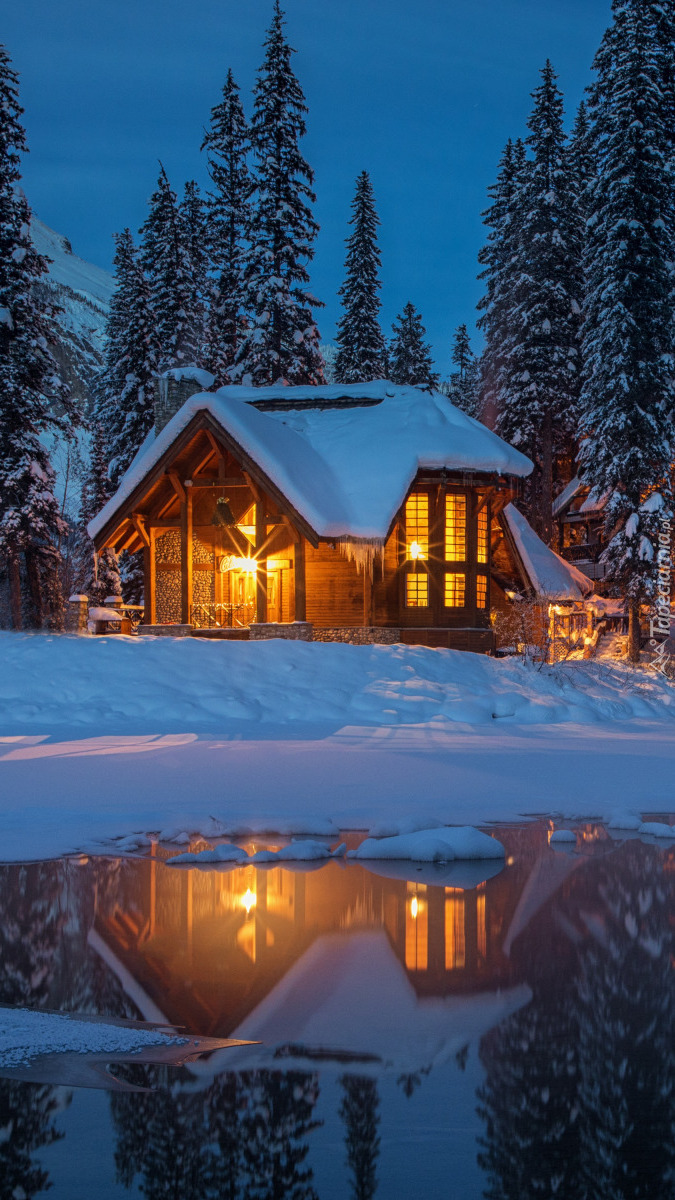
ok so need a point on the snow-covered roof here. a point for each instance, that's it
(349, 992)
(549, 574)
(567, 496)
(346, 469)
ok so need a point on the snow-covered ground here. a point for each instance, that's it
(106, 737)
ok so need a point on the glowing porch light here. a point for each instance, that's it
(414, 908)
(248, 900)
(416, 551)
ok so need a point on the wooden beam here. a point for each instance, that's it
(257, 494)
(137, 521)
(295, 536)
(300, 581)
(186, 557)
(177, 485)
(261, 573)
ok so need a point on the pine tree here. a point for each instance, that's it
(580, 160)
(281, 343)
(410, 358)
(496, 258)
(462, 387)
(627, 396)
(193, 236)
(126, 389)
(539, 385)
(361, 348)
(99, 574)
(33, 399)
(165, 260)
(227, 143)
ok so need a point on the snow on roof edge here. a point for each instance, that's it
(550, 575)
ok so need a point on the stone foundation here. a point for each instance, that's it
(166, 630)
(359, 635)
(296, 631)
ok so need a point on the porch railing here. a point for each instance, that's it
(222, 616)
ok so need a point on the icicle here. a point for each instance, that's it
(363, 552)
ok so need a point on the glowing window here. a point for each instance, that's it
(455, 941)
(417, 525)
(455, 589)
(481, 591)
(455, 528)
(417, 590)
(483, 534)
(481, 926)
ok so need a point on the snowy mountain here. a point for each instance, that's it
(83, 293)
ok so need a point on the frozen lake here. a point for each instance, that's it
(477, 1029)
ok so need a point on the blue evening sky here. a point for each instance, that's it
(421, 93)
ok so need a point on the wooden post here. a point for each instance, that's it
(149, 580)
(260, 554)
(367, 594)
(186, 557)
(300, 608)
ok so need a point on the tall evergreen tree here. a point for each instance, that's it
(33, 399)
(462, 387)
(627, 398)
(99, 574)
(227, 144)
(126, 389)
(539, 383)
(410, 358)
(281, 343)
(496, 258)
(193, 235)
(580, 160)
(165, 260)
(361, 353)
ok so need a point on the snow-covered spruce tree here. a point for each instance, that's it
(99, 574)
(126, 388)
(281, 342)
(410, 358)
(627, 397)
(496, 258)
(165, 260)
(361, 353)
(193, 235)
(580, 160)
(539, 388)
(33, 399)
(228, 213)
(462, 388)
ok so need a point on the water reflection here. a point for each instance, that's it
(371, 992)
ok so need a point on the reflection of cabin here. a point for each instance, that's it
(206, 947)
(364, 511)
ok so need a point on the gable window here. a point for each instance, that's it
(455, 528)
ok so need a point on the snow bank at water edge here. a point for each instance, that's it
(432, 845)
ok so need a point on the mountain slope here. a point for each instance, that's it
(82, 291)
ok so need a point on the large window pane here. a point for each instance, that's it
(455, 589)
(455, 528)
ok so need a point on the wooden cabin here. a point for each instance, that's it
(355, 513)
